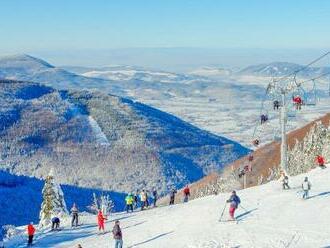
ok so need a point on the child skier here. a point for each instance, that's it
(30, 231)
(74, 212)
(186, 193)
(100, 221)
(234, 202)
(55, 223)
(306, 186)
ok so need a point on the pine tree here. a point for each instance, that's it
(53, 201)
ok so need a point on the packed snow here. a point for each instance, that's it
(267, 217)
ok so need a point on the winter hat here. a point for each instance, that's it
(234, 192)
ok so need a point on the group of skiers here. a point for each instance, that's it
(55, 220)
(142, 200)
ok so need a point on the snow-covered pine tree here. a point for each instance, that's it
(53, 201)
(301, 157)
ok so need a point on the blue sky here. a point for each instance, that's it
(47, 27)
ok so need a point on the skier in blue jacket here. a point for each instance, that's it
(234, 202)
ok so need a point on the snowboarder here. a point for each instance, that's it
(100, 221)
(234, 202)
(55, 223)
(276, 104)
(74, 212)
(186, 193)
(172, 196)
(306, 186)
(143, 199)
(129, 202)
(30, 231)
(155, 196)
(320, 160)
(117, 235)
(297, 102)
(285, 182)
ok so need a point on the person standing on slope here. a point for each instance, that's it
(306, 186)
(143, 199)
(117, 235)
(30, 231)
(285, 182)
(155, 196)
(172, 196)
(100, 221)
(320, 161)
(136, 199)
(186, 193)
(234, 202)
(74, 212)
(129, 202)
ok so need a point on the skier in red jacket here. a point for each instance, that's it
(30, 231)
(320, 160)
(186, 193)
(100, 220)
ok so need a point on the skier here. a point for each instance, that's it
(136, 199)
(234, 202)
(74, 212)
(298, 102)
(100, 221)
(320, 160)
(129, 202)
(285, 182)
(147, 201)
(55, 223)
(155, 196)
(276, 104)
(306, 186)
(30, 231)
(143, 199)
(117, 235)
(172, 196)
(186, 193)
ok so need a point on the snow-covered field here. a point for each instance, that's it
(274, 218)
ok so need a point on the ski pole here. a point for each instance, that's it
(223, 211)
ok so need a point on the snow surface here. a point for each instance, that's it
(275, 218)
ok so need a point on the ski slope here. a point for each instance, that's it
(275, 218)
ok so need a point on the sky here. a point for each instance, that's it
(100, 30)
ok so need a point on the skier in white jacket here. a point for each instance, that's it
(306, 186)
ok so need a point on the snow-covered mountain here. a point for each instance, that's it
(267, 217)
(99, 140)
(278, 69)
(131, 73)
(202, 101)
(212, 72)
